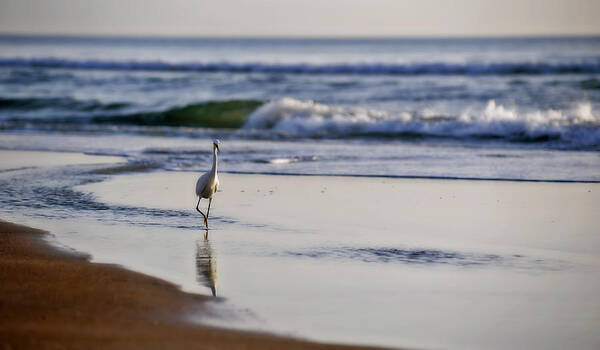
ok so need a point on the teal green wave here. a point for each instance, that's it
(229, 114)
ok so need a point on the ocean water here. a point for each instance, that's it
(502, 108)
(410, 262)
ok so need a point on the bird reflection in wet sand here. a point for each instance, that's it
(206, 265)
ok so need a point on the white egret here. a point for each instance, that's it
(208, 183)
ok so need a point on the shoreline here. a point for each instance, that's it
(54, 298)
(411, 177)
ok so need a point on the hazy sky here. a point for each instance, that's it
(301, 17)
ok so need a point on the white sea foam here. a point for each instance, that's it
(579, 126)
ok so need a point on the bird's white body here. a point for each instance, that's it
(208, 184)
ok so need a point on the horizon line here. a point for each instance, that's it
(300, 37)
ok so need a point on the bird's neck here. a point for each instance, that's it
(214, 166)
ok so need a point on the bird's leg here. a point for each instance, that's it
(207, 212)
(204, 216)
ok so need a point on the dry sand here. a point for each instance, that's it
(51, 299)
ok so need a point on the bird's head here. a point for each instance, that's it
(216, 144)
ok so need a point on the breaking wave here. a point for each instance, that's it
(228, 114)
(578, 128)
(500, 68)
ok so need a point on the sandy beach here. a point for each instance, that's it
(53, 299)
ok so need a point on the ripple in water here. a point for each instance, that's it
(428, 257)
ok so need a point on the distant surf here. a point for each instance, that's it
(434, 68)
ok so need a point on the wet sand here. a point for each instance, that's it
(433, 264)
(56, 299)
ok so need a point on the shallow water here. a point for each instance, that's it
(323, 157)
(416, 263)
